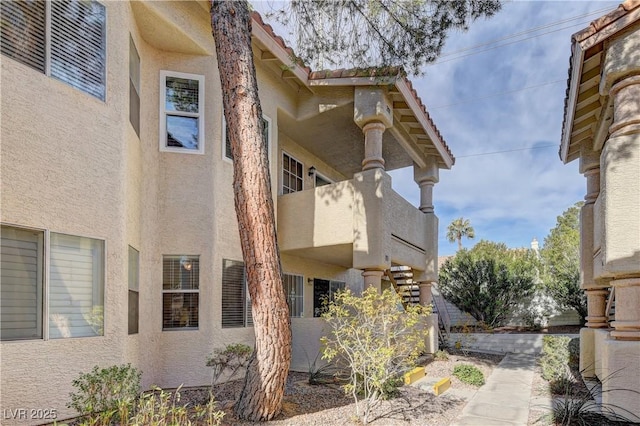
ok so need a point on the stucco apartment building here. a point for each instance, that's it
(602, 130)
(119, 235)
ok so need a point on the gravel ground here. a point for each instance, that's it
(327, 405)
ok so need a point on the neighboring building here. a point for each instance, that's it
(119, 235)
(602, 129)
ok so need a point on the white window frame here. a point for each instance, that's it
(281, 191)
(186, 257)
(48, 54)
(224, 138)
(200, 115)
(45, 284)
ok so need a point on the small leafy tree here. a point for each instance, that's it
(377, 340)
(489, 281)
(231, 359)
(561, 258)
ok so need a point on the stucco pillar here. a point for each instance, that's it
(621, 163)
(373, 145)
(596, 307)
(373, 112)
(426, 177)
(425, 293)
(596, 292)
(373, 278)
(627, 322)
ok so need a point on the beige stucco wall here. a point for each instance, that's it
(73, 164)
(63, 170)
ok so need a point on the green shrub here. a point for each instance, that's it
(441, 355)
(574, 353)
(469, 374)
(232, 358)
(106, 393)
(378, 341)
(555, 357)
(160, 408)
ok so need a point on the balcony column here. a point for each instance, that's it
(373, 113)
(426, 177)
(373, 278)
(425, 292)
(373, 145)
(596, 292)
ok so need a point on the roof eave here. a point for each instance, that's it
(574, 87)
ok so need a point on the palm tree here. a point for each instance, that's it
(459, 228)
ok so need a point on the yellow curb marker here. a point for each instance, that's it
(442, 386)
(413, 375)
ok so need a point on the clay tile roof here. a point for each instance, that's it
(356, 72)
(269, 29)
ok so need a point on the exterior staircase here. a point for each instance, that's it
(401, 278)
(444, 320)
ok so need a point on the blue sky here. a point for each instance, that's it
(510, 197)
(515, 196)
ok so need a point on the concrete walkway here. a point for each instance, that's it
(505, 397)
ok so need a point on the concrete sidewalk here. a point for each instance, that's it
(505, 397)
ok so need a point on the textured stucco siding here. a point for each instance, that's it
(63, 170)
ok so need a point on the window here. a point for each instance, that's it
(236, 304)
(74, 289)
(293, 292)
(74, 49)
(22, 283)
(180, 287)
(323, 293)
(266, 132)
(291, 174)
(320, 180)
(181, 112)
(134, 87)
(134, 290)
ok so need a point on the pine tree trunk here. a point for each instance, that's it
(261, 397)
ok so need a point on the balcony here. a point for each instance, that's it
(358, 223)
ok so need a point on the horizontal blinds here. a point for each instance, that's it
(236, 306)
(23, 32)
(180, 285)
(21, 284)
(78, 45)
(76, 287)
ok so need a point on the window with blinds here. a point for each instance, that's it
(75, 292)
(236, 303)
(21, 275)
(323, 293)
(134, 290)
(23, 32)
(293, 292)
(74, 49)
(265, 133)
(181, 112)
(76, 286)
(180, 292)
(292, 174)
